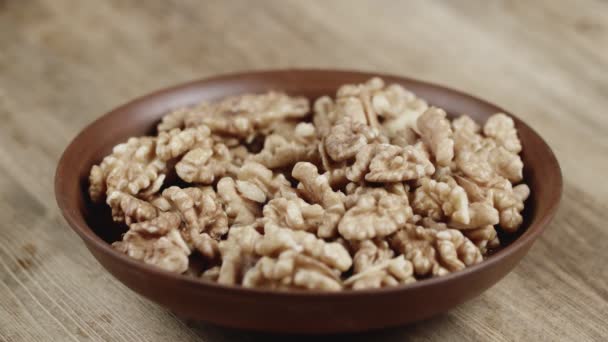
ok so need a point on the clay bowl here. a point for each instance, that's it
(301, 312)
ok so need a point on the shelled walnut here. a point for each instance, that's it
(316, 189)
(294, 213)
(157, 242)
(374, 213)
(435, 252)
(369, 253)
(133, 167)
(281, 151)
(374, 188)
(391, 272)
(130, 209)
(436, 133)
(291, 270)
(385, 163)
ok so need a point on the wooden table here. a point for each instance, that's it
(65, 62)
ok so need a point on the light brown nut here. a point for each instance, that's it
(221, 119)
(355, 190)
(352, 108)
(369, 253)
(316, 189)
(485, 159)
(466, 134)
(277, 240)
(157, 242)
(211, 213)
(354, 101)
(160, 225)
(445, 174)
(481, 214)
(133, 167)
(239, 155)
(439, 200)
(202, 215)
(509, 201)
(305, 133)
(238, 254)
(455, 250)
(176, 142)
(435, 252)
(129, 209)
(481, 211)
(347, 137)
(97, 180)
(400, 109)
(270, 184)
(395, 101)
(176, 199)
(201, 209)
(365, 102)
(284, 128)
(239, 126)
(428, 222)
(239, 209)
(294, 213)
(324, 115)
(250, 191)
(243, 115)
(334, 171)
(474, 192)
(391, 272)
(204, 164)
(390, 163)
(506, 164)
(267, 108)
(297, 131)
(370, 86)
(280, 151)
(358, 101)
(207, 246)
(172, 120)
(403, 137)
(474, 164)
(484, 238)
(291, 270)
(501, 128)
(375, 213)
(230, 141)
(472, 151)
(357, 171)
(436, 133)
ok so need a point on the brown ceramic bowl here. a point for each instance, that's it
(298, 311)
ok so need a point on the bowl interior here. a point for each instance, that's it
(139, 117)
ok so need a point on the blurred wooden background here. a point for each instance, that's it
(65, 62)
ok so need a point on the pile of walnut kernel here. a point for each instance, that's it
(376, 188)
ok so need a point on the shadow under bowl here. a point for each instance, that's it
(297, 311)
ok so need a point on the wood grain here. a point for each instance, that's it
(65, 62)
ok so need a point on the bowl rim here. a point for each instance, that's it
(76, 221)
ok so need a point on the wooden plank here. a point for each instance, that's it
(64, 62)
